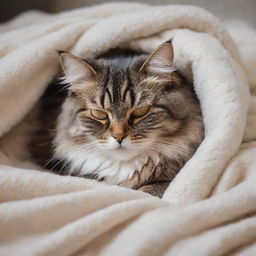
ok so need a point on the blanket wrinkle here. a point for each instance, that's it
(208, 209)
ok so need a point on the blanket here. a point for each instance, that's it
(208, 209)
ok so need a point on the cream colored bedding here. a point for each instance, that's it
(208, 209)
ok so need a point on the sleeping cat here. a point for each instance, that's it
(124, 118)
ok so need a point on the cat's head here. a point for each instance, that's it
(124, 107)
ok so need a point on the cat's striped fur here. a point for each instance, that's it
(122, 118)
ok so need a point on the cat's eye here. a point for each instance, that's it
(98, 114)
(141, 111)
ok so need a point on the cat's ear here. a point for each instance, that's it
(160, 62)
(75, 69)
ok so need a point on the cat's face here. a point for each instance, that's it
(124, 107)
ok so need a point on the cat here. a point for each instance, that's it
(124, 118)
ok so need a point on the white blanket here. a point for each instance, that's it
(208, 209)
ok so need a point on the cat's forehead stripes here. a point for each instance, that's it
(124, 89)
(117, 92)
(129, 95)
(104, 89)
(107, 100)
(128, 98)
(117, 82)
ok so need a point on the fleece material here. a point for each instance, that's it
(208, 209)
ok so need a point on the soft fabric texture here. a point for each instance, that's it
(208, 209)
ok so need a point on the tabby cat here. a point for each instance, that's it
(124, 118)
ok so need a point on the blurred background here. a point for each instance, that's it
(225, 9)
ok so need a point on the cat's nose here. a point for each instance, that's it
(119, 137)
(119, 130)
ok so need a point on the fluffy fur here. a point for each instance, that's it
(122, 118)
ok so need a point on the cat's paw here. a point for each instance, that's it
(156, 189)
(132, 182)
(140, 177)
(146, 188)
(150, 189)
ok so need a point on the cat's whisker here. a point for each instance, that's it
(138, 142)
(48, 162)
(45, 143)
(103, 142)
(168, 149)
(63, 167)
(56, 164)
(74, 151)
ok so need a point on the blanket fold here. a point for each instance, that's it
(208, 209)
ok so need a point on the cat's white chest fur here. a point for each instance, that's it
(113, 171)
